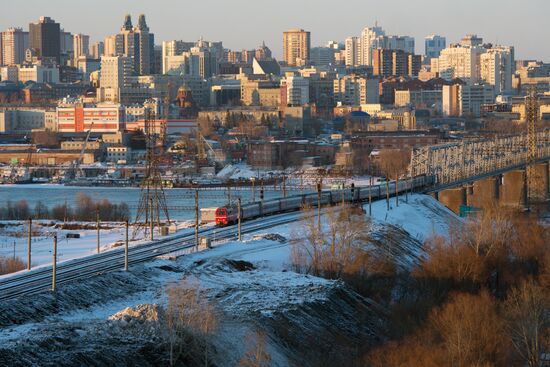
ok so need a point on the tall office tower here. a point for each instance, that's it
(496, 68)
(433, 45)
(81, 47)
(45, 39)
(368, 43)
(146, 47)
(296, 47)
(97, 50)
(353, 51)
(135, 42)
(14, 44)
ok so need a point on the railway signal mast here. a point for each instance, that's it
(152, 202)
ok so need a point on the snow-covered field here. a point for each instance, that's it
(14, 241)
(251, 281)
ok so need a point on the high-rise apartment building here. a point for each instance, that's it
(296, 47)
(353, 51)
(81, 46)
(45, 39)
(460, 62)
(433, 45)
(116, 72)
(14, 44)
(355, 90)
(497, 66)
(368, 43)
(386, 62)
(97, 50)
(466, 100)
(295, 90)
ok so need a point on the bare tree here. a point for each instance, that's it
(190, 320)
(525, 312)
(470, 330)
(256, 354)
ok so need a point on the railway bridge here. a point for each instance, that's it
(511, 170)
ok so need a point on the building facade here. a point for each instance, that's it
(296, 47)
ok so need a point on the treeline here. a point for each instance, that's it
(85, 210)
(481, 296)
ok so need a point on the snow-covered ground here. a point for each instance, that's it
(14, 241)
(251, 282)
(422, 216)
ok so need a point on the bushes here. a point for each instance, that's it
(10, 265)
(84, 210)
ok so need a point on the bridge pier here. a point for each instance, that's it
(483, 193)
(453, 198)
(512, 190)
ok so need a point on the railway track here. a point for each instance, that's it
(39, 280)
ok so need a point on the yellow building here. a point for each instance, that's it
(296, 47)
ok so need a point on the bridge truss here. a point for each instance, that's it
(458, 162)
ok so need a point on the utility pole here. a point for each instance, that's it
(228, 195)
(253, 189)
(284, 186)
(54, 264)
(239, 218)
(29, 245)
(97, 225)
(370, 196)
(126, 248)
(319, 205)
(196, 220)
(262, 190)
(396, 192)
(387, 194)
(151, 220)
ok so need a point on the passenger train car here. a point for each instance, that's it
(229, 214)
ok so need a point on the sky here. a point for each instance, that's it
(244, 24)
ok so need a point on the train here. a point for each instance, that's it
(229, 214)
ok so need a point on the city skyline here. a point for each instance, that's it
(503, 24)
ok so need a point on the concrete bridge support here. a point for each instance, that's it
(453, 198)
(484, 193)
(513, 188)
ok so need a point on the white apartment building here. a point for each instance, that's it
(466, 100)
(460, 62)
(354, 90)
(353, 51)
(368, 43)
(14, 44)
(116, 73)
(297, 90)
(81, 46)
(497, 66)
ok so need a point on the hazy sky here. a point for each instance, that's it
(246, 23)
